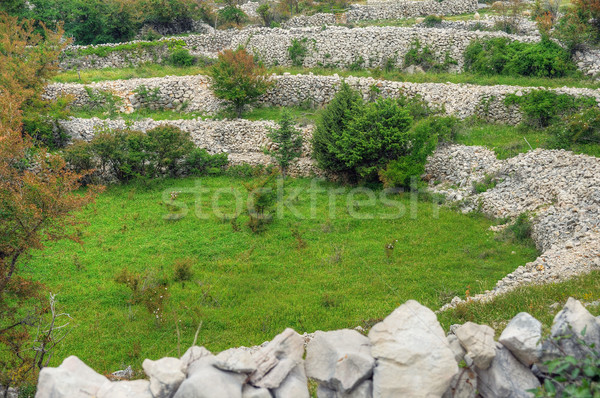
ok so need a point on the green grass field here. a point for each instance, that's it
(323, 272)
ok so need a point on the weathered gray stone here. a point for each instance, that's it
(126, 389)
(340, 359)
(72, 379)
(294, 385)
(566, 333)
(478, 341)
(236, 360)
(457, 349)
(206, 381)
(413, 357)
(506, 377)
(249, 391)
(277, 359)
(193, 354)
(522, 336)
(165, 376)
(363, 390)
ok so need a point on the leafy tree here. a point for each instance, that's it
(238, 79)
(288, 141)
(264, 10)
(37, 195)
(232, 14)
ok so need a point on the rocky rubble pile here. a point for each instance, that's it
(559, 190)
(406, 355)
(244, 141)
(193, 93)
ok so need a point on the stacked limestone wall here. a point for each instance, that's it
(193, 94)
(333, 46)
(377, 10)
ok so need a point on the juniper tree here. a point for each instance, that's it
(288, 141)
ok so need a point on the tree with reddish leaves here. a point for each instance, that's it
(38, 195)
(238, 79)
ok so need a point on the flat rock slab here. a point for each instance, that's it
(72, 379)
(522, 336)
(478, 341)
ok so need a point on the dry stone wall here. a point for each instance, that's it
(377, 10)
(193, 94)
(558, 190)
(242, 140)
(333, 46)
(408, 354)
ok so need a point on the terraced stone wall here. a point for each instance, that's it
(333, 46)
(193, 93)
(377, 10)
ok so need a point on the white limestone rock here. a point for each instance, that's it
(126, 389)
(294, 385)
(193, 354)
(363, 390)
(413, 357)
(165, 376)
(340, 359)
(522, 336)
(478, 341)
(506, 377)
(206, 381)
(236, 360)
(72, 379)
(275, 360)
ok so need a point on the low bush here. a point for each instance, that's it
(181, 57)
(499, 56)
(297, 51)
(127, 154)
(423, 57)
(521, 229)
(182, 270)
(262, 196)
(432, 20)
(232, 15)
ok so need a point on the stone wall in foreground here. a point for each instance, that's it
(408, 354)
(192, 93)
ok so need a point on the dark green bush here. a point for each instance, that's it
(423, 57)
(200, 162)
(182, 57)
(521, 229)
(129, 154)
(370, 141)
(542, 108)
(423, 137)
(432, 20)
(499, 56)
(232, 14)
(297, 51)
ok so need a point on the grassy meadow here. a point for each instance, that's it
(321, 270)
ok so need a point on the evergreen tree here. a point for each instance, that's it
(288, 140)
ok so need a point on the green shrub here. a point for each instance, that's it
(423, 137)
(330, 126)
(167, 147)
(432, 20)
(499, 56)
(297, 51)
(182, 270)
(151, 35)
(521, 229)
(489, 182)
(288, 141)
(181, 57)
(262, 196)
(199, 162)
(542, 108)
(423, 57)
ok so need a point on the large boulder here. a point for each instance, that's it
(126, 389)
(522, 336)
(478, 341)
(506, 377)
(413, 357)
(457, 349)
(566, 333)
(294, 385)
(206, 381)
(72, 379)
(165, 376)
(340, 359)
(277, 359)
(363, 390)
